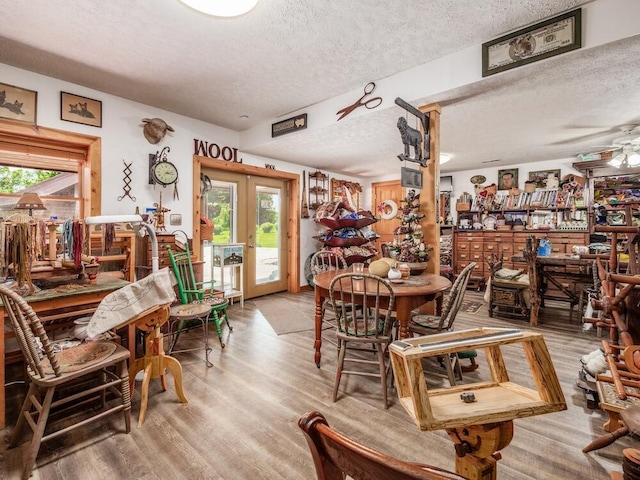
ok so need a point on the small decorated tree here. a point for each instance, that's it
(408, 244)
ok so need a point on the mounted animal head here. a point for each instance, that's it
(155, 129)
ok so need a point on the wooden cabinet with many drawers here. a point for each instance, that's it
(478, 245)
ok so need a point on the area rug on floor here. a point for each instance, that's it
(471, 306)
(284, 316)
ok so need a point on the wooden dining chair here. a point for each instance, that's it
(79, 377)
(323, 261)
(363, 305)
(428, 324)
(336, 456)
(192, 291)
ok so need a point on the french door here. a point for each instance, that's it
(252, 210)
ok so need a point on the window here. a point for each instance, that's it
(63, 168)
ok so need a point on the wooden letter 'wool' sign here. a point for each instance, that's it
(213, 150)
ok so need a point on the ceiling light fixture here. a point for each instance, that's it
(444, 158)
(628, 158)
(221, 8)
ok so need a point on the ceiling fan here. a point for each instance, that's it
(627, 148)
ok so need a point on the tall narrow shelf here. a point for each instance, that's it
(230, 256)
(318, 189)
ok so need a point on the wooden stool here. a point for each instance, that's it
(155, 361)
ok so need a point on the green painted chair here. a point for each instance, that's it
(191, 291)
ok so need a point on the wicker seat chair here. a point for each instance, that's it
(90, 369)
(192, 291)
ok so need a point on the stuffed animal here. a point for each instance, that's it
(552, 182)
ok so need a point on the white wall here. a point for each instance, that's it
(122, 138)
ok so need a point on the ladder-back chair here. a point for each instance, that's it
(87, 367)
(192, 291)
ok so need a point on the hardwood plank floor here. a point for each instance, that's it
(241, 419)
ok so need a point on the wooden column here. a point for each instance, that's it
(429, 194)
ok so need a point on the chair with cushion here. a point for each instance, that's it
(64, 383)
(363, 304)
(192, 291)
(429, 324)
(336, 456)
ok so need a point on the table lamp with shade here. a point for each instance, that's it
(30, 201)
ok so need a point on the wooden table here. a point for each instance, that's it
(547, 272)
(58, 304)
(412, 293)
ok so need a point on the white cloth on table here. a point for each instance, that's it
(120, 306)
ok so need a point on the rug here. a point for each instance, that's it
(471, 306)
(284, 316)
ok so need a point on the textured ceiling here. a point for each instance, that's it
(287, 55)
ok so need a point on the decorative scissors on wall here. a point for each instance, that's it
(371, 103)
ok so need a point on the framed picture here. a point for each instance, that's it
(540, 177)
(507, 179)
(175, 219)
(77, 109)
(18, 103)
(410, 178)
(546, 39)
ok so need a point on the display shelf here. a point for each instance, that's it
(318, 189)
(230, 256)
(342, 242)
(364, 220)
(338, 217)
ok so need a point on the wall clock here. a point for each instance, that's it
(164, 172)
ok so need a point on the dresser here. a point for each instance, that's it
(478, 245)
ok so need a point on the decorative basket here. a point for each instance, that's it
(206, 232)
(463, 207)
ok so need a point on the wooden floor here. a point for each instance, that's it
(241, 419)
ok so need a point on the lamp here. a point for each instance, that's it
(30, 201)
(221, 8)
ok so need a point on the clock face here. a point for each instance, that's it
(165, 173)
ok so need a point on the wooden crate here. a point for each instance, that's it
(497, 400)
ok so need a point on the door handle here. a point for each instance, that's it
(250, 245)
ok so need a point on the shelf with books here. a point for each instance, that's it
(549, 199)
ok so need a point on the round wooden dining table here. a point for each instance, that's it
(409, 294)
